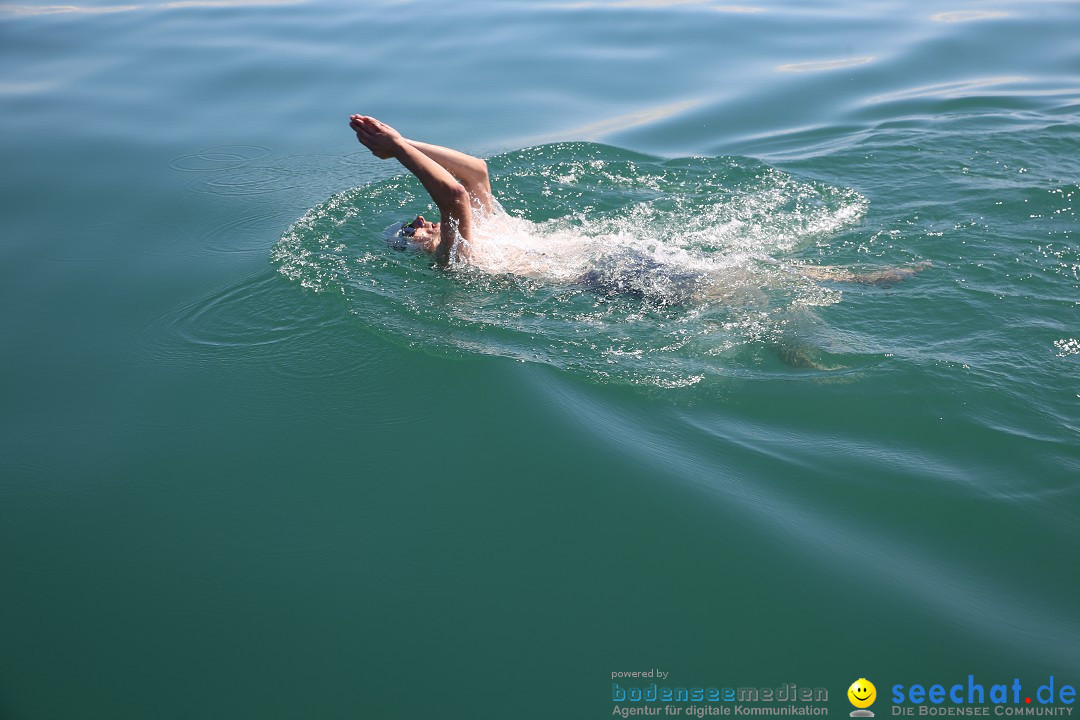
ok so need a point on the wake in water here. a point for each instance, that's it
(622, 266)
(634, 264)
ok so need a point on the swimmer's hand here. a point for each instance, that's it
(382, 140)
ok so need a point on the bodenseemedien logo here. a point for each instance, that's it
(862, 694)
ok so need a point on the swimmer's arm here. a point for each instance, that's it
(450, 195)
(443, 188)
(472, 172)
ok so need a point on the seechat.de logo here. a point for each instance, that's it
(862, 695)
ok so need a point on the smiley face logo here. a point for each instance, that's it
(862, 693)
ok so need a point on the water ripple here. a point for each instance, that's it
(218, 158)
(987, 608)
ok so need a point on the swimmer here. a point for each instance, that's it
(457, 183)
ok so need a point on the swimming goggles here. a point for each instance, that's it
(407, 228)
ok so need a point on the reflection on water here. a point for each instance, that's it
(706, 4)
(825, 64)
(958, 89)
(968, 15)
(12, 9)
(602, 128)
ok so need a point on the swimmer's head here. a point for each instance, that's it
(414, 234)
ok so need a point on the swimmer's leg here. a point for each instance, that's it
(794, 346)
(840, 273)
(801, 356)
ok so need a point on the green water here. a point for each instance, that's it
(255, 463)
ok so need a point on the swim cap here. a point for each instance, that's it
(393, 237)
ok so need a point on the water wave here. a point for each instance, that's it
(622, 266)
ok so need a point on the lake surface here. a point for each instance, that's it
(256, 463)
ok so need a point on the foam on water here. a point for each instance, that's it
(620, 265)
